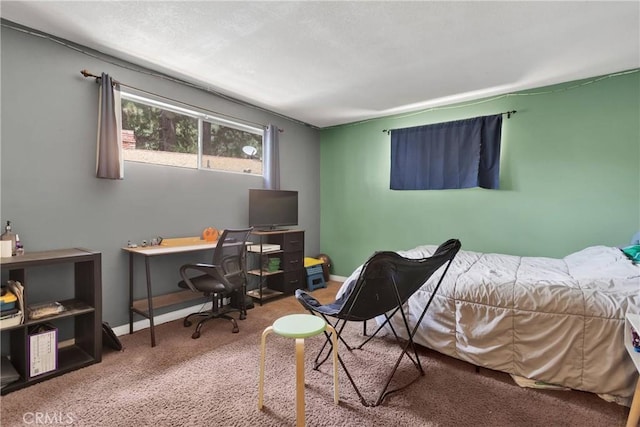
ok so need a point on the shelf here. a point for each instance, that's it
(85, 308)
(632, 320)
(258, 272)
(266, 293)
(30, 259)
(69, 359)
(142, 305)
(276, 251)
(73, 307)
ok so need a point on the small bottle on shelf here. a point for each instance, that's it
(19, 246)
(9, 235)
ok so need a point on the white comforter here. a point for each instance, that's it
(554, 320)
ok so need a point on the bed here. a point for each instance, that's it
(556, 321)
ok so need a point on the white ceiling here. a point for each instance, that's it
(329, 63)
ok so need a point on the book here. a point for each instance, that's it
(8, 312)
(43, 349)
(11, 320)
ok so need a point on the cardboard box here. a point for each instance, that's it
(43, 349)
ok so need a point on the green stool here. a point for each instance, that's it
(299, 326)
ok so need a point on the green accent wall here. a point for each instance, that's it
(569, 178)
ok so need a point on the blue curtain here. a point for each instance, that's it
(271, 158)
(460, 154)
(109, 159)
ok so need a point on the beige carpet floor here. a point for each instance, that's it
(212, 381)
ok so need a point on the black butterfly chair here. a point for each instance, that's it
(222, 278)
(385, 283)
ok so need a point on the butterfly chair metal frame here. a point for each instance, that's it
(386, 281)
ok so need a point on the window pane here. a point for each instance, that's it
(155, 135)
(229, 149)
(166, 134)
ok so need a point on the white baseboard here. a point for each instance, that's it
(162, 318)
(178, 314)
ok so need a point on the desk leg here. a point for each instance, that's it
(634, 412)
(150, 301)
(130, 292)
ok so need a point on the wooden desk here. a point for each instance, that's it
(144, 307)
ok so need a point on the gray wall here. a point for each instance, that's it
(49, 189)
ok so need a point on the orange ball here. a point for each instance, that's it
(210, 234)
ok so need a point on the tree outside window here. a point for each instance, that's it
(158, 133)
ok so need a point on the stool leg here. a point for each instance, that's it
(266, 332)
(334, 342)
(299, 382)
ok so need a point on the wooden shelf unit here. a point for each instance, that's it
(633, 320)
(290, 276)
(85, 308)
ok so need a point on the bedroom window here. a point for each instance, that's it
(163, 134)
(458, 154)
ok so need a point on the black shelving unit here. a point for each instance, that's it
(84, 308)
(290, 276)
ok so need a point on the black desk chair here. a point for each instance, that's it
(224, 277)
(385, 283)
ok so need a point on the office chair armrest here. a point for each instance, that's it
(199, 266)
(203, 268)
(212, 270)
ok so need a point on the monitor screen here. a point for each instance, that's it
(272, 208)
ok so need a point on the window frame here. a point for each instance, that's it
(201, 117)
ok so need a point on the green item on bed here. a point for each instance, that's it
(633, 253)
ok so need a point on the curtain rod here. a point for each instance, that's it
(86, 74)
(508, 113)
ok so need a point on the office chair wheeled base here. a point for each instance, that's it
(209, 316)
(216, 312)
